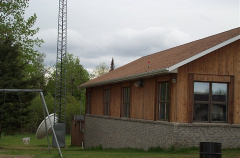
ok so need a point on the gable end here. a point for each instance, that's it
(174, 67)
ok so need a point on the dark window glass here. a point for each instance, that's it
(200, 112)
(219, 112)
(126, 101)
(88, 102)
(163, 91)
(162, 111)
(163, 101)
(167, 110)
(106, 101)
(210, 102)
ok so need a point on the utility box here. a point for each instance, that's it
(60, 131)
(77, 131)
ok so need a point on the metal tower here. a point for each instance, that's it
(60, 80)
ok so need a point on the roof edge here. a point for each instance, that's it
(126, 78)
(173, 67)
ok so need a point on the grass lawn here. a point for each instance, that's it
(13, 147)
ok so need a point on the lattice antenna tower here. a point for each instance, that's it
(60, 84)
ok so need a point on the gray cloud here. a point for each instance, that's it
(132, 42)
(126, 30)
(125, 43)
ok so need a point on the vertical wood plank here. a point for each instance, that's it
(155, 100)
(137, 98)
(115, 100)
(149, 98)
(231, 100)
(182, 91)
(236, 113)
(97, 101)
(191, 97)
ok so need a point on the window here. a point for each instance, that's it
(210, 102)
(126, 102)
(106, 102)
(88, 103)
(163, 101)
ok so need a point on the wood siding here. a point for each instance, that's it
(115, 100)
(217, 66)
(97, 97)
(149, 98)
(235, 65)
(137, 101)
(222, 65)
(143, 100)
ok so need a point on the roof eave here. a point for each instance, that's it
(127, 78)
(173, 67)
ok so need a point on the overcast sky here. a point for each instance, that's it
(99, 30)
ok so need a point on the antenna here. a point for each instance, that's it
(60, 80)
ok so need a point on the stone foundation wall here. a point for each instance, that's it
(122, 133)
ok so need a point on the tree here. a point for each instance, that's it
(20, 63)
(99, 70)
(112, 67)
(12, 76)
(14, 27)
(36, 111)
(75, 76)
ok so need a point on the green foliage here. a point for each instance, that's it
(14, 117)
(22, 67)
(75, 76)
(14, 27)
(12, 76)
(11, 66)
(75, 99)
(99, 147)
(72, 108)
(36, 111)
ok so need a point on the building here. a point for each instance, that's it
(177, 97)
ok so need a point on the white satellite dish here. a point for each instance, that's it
(41, 131)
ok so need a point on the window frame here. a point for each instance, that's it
(166, 101)
(210, 102)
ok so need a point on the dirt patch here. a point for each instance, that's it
(16, 156)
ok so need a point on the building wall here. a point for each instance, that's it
(97, 101)
(224, 61)
(143, 100)
(142, 130)
(115, 100)
(123, 133)
(138, 133)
